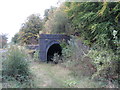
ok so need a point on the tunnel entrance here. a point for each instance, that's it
(55, 48)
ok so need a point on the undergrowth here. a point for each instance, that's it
(98, 64)
(15, 66)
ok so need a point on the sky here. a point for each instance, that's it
(14, 12)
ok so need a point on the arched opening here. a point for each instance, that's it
(55, 48)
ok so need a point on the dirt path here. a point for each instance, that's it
(50, 75)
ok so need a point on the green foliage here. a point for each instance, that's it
(72, 52)
(107, 64)
(15, 39)
(15, 64)
(48, 13)
(105, 61)
(68, 51)
(74, 57)
(95, 21)
(99, 25)
(57, 21)
(29, 31)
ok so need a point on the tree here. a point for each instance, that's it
(49, 12)
(15, 39)
(29, 31)
(57, 21)
(3, 40)
(95, 21)
(99, 26)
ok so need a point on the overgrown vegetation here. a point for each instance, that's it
(99, 27)
(95, 21)
(29, 31)
(60, 22)
(96, 24)
(99, 65)
(75, 59)
(106, 64)
(15, 67)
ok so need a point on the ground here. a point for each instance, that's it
(56, 76)
(49, 75)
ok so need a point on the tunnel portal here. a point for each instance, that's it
(49, 44)
(55, 48)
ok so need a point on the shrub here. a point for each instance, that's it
(74, 58)
(16, 64)
(71, 51)
(106, 63)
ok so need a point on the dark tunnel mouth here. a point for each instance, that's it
(55, 48)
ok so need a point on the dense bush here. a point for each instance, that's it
(15, 64)
(96, 21)
(105, 61)
(106, 64)
(98, 24)
(98, 64)
(74, 58)
(57, 21)
(29, 31)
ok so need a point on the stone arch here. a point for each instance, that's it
(48, 42)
